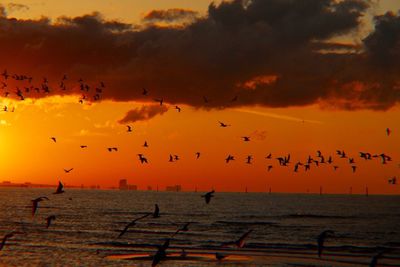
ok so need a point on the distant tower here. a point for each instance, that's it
(320, 190)
(366, 191)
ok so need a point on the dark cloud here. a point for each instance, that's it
(143, 113)
(170, 15)
(274, 53)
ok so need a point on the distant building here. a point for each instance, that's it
(174, 188)
(123, 185)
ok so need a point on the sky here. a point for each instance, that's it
(294, 76)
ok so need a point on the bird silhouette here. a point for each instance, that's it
(83, 146)
(144, 91)
(207, 196)
(197, 155)
(249, 158)
(229, 158)
(223, 125)
(132, 223)
(178, 108)
(159, 100)
(111, 149)
(68, 171)
(49, 220)
(145, 144)
(161, 253)
(54, 139)
(156, 213)
(269, 167)
(240, 242)
(246, 138)
(388, 131)
(184, 228)
(354, 168)
(129, 128)
(35, 204)
(142, 158)
(269, 156)
(321, 239)
(60, 188)
(393, 180)
(171, 158)
(6, 237)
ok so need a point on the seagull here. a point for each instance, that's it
(229, 158)
(269, 167)
(83, 146)
(144, 92)
(68, 171)
(269, 156)
(49, 220)
(354, 168)
(246, 138)
(388, 131)
(171, 158)
(197, 155)
(208, 196)
(129, 128)
(35, 204)
(6, 237)
(178, 108)
(145, 144)
(393, 180)
(142, 158)
(248, 159)
(156, 213)
(54, 139)
(321, 239)
(184, 228)
(60, 188)
(240, 242)
(160, 255)
(223, 125)
(132, 223)
(110, 149)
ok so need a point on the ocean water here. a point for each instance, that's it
(285, 227)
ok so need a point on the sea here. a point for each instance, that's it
(284, 228)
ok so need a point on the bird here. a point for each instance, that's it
(223, 125)
(269, 156)
(68, 171)
(269, 167)
(240, 242)
(49, 220)
(184, 228)
(142, 158)
(110, 149)
(229, 158)
(160, 254)
(171, 158)
(321, 239)
(207, 196)
(35, 204)
(178, 108)
(156, 213)
(197, 155)
(129, 128)
(60, 188)
(335, 168)
(248, 159)
(132, 223)
(246, 138)
(83, 146)
(6, 237)
(145, 144)
(388, 131)
(219, 256)
(354, 168)
(54, 139)
(144, 91)
(393, 180)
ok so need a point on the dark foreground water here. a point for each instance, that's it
(285, 227)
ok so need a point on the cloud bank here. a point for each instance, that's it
(273, 53)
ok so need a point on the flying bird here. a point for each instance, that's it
(388, 131)
(110, 149)
(269, 167)
(132, 223)
(83, 146)
(249, 159)
(54, 139)
(129, 128)
(208, 196)
(145, 144)
(229, 158)
(49, 220)
(393, 180)
(35, 204)
(223, 125)
(240, 242)
(321, 239)
(142, 158)
(68, 171)
(197, 155)
(6, 237)
(144, 91)
(269, 156)
(246, 138)
(178, 108)
(60, 188)
(354, 168)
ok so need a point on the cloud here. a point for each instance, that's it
(273, 53)
(143, 113)
(11, 7)
(170, 15)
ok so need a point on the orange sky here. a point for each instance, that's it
(28, 154)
